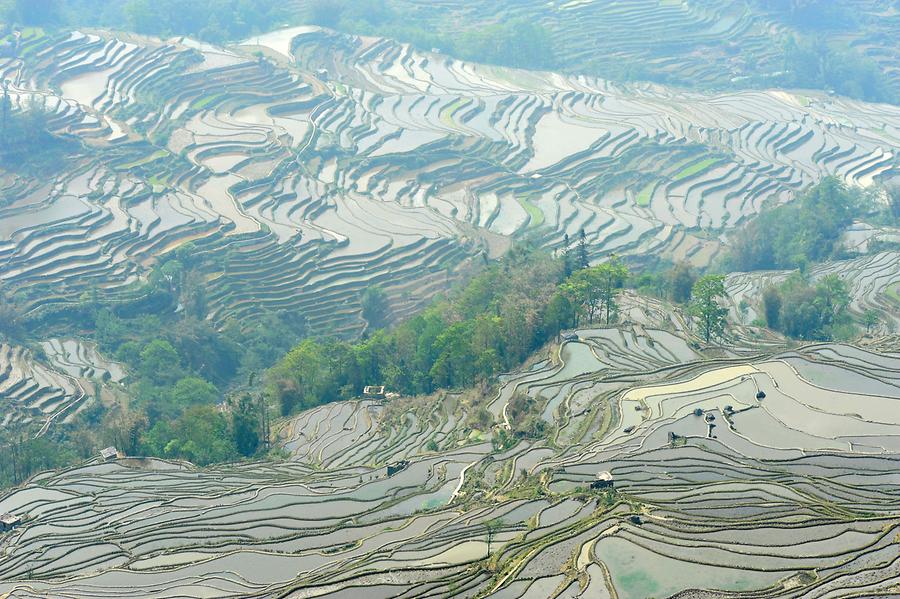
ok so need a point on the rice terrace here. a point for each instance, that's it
(450, 298)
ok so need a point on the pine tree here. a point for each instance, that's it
(567, 257)
(583, 261)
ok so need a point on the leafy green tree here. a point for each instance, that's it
(871, 318)
(814, 312)
(586, 287)
(160, 362)
(375, 307)
(200, 435)
(583, 260)
(612, 275)
(557, 315)
(708, 294)
(301, 379)
(594, 289)
(245, 425)
(681, 281)
(772, 307)
(193, 390)
(575, 293)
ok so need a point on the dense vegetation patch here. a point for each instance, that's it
(803, 231)
(211, 20)
(489, 326)
(800, 234)
(812, 62)
(516, 42)
(810, 311)
(184, 397)
(27, 145)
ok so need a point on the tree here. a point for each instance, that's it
(245, 425)
(815, 311)
(870, 320)
(194, 391)
(37, 12)
(832, 297)
(492, 527)
(567, 257)
(612, 273)
(583, 261)
(593, 290)
(199, 435)
(708, 293)
(557, 315)
(575, 293)
(681, 280)
(772, 307)
(586, 287)
(375, 307)
(124, 429)
(159, 362)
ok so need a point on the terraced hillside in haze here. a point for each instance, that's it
(385, 168)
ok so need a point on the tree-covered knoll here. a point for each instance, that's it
(489, 326)
(810, 311)
(27, 145)
(192, 392)
(517, 42)
(800, 232)
(803, 232)
(813, 62)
